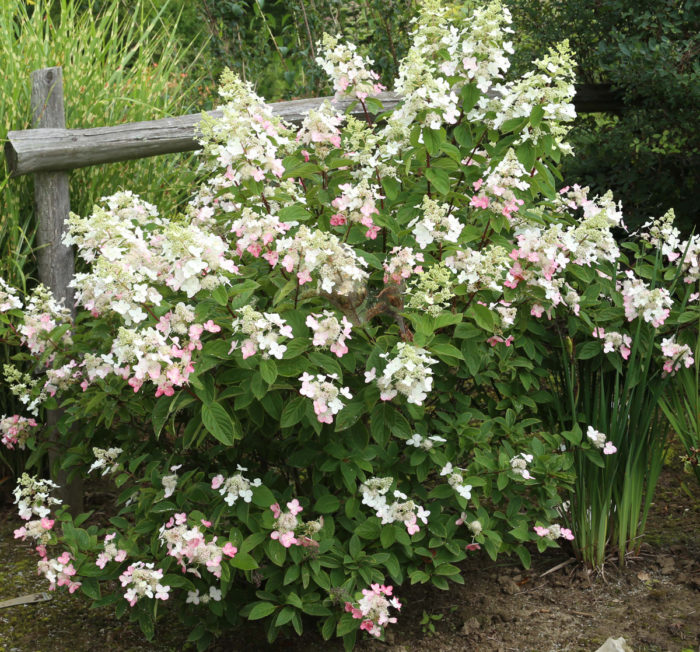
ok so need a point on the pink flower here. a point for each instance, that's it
(205, 523)
(276, 511)
(47, 523)
(229, 549)
(479, 201)
(567, 534)
(472, 546)
(304, 276)
(217, 481)
(294, 507)
(609, 448)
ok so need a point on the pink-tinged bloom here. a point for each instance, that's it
(609, 448)
(306, 155)
(338, 219)
(477, 184)
(479, 201)
(205, 523)
(248, 349)
(304, 276)
(229, 549)
(541, 531)
(217, 481)
(294, 507)
(567, 534)
(47, 523)
(276, 511)
(472, 546)
(537, 310)
(211, 327)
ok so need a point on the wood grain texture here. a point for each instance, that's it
(57, 148)
(55, 260)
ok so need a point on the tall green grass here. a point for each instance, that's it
(681, 407)
(119, 65)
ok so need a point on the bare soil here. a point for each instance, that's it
(654, 603)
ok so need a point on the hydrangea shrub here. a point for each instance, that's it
(334, 374)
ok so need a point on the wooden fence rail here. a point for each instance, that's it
(38, 150)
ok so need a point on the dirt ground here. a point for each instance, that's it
(654, 603)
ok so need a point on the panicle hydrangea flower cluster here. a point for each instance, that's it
(676, 355)
(32, 497)
(496, 192)
(551, 86)
(143, 581)
(456, 480)
(426, 443)
(249, 138)
(190, 548)
(554, 532)
(263, 331)
(152, 356)
(39, 529)
(235, 487)
(110, 552)
(432, 291)
(292, 531)
(319, 131)
(373, 608)
(613, 341)
(8, 297)
(349, 71)
(325, 395)
(598, 439)
(356, 205)
(437, 224)
(26, 388)
(329, 332)
(653, 306)
(340, 269)
(256, 233)
(662, 234)
(479, 269)
(374, 492)
(105, 459)
(15, 430)
(43, 314)
(132, 252)
(518, 465)
(401, 264)
(59, 572)
(407, 372)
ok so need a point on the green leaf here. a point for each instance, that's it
(446, 351)
(327, 504)
(220, 295)
(219, 424)
(244, 561)
(440, 180)
(268, 371)
(482, 316)
(349, 415)
(432, 139)
(588, 350)
(293, 412)
(536, 115)
(346, 624)
(261, 610)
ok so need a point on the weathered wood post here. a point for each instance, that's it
(56, 264)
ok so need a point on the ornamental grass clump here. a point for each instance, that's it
(289, 407)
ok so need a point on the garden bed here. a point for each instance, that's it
(654, 603)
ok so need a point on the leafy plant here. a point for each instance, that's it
(334, 372)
